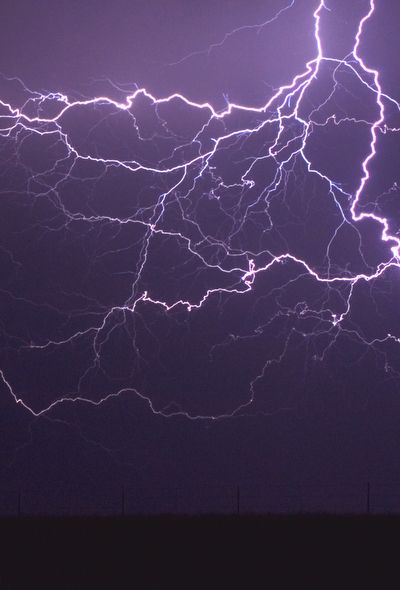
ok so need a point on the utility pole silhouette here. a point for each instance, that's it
(19, 508)
(238, 500)
(368, 498)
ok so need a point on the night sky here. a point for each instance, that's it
(195, 294)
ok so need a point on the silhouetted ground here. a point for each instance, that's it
(195, 551)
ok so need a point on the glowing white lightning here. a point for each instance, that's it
(283, 111)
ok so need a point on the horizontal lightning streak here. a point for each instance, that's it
(283, 108)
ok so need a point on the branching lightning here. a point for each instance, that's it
(177, 181)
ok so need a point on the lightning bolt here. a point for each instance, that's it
(181, 172)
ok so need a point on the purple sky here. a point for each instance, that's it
(199, 279)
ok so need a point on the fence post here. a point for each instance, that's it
(19, 508)
(123, 502)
